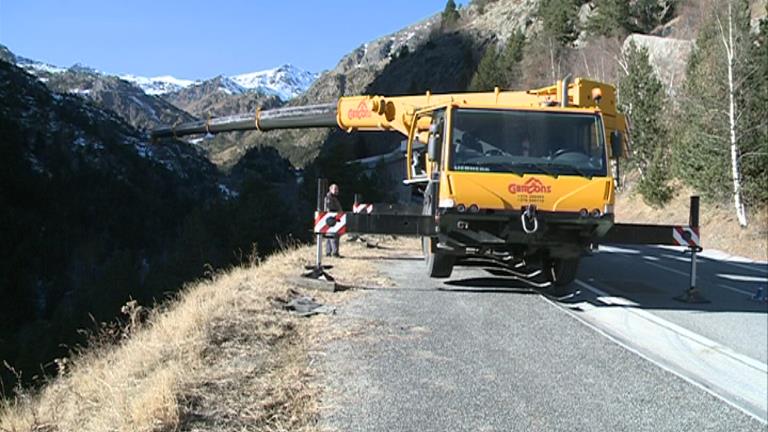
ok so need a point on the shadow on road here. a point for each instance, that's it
(649, 277)
(487, 285)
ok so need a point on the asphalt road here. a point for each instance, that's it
(653, 276)
(478, 352)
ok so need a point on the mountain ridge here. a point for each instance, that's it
(285, 81)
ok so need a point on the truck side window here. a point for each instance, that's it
(438, 121)
(437, 129)
(419, 162)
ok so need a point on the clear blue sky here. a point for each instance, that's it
(200, 39)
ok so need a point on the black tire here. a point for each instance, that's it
(439, 265)
(561, 272)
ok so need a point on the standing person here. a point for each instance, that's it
(332, 204)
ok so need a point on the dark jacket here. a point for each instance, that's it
(332, 203)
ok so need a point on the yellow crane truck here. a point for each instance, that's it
(523, 175)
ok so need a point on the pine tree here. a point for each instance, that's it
(754, 149)
(450, 16)
(488, 74)
(500, 69)
(511, 58)
(611, 18)
(648, 14)
(643, 99)
(560, 20)
(715, 116)
(560, 29)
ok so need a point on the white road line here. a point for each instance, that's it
(660, 364)
(749, 361)
(682, 273)
(739, 278)
(742, 278)
(739, 380)
(616, 249)
(683, 258)
(740, 291)
(720, 257)
(744, 266)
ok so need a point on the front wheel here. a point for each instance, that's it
(561, 272)
(439, 265)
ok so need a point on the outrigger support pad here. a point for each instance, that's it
(692, 294)
(318, 272)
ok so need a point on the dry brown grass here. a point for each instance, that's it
(719, 227)
(220, 357)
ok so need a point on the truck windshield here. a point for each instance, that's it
(541, 142)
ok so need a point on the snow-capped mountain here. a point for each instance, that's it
(229, 86)
(35, 67)
(286, 81)
(158, 85)
(32, 66)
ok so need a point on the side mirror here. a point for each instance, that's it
(433, 145)
(617, 145)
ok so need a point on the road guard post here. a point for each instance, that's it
(689, 236)
(318, 270)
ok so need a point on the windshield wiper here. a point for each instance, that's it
(573, 169)
(509, 167)
(539, 166)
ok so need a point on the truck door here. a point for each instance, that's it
(424, 146)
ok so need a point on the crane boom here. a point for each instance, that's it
(369, 113)
(281, 118)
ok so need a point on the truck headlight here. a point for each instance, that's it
(446, 203)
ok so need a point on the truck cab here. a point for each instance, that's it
(530, 183)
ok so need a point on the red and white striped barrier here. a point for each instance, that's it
(362, 208)
(330, 223)
(686, 236)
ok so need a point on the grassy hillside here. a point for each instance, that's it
(219, 357)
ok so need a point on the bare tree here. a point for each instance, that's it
(598, 59)
(733, 88)
(719, 110)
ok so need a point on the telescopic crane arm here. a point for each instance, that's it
(396, 113)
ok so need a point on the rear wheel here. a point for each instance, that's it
(561, 272)
(439, 265)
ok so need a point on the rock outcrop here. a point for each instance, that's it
(669, 57)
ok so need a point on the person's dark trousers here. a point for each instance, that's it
(332, 245)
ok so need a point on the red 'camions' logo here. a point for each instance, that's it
(532, 186)
(362, 111)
